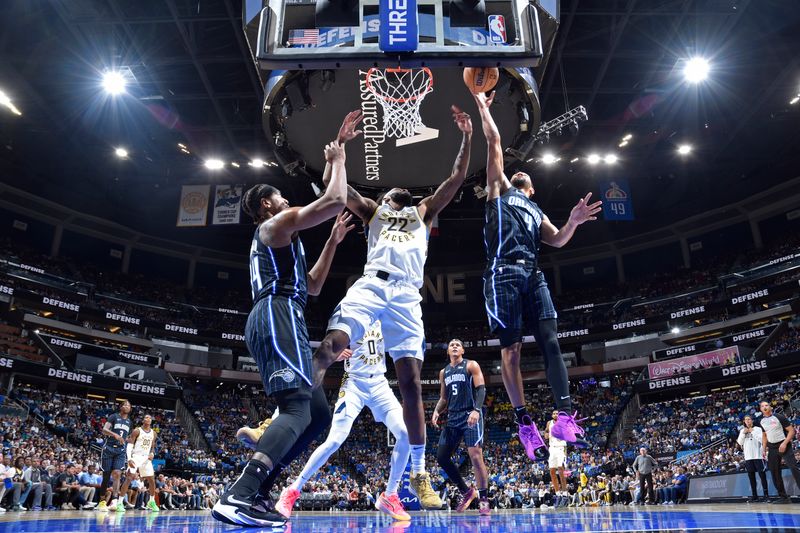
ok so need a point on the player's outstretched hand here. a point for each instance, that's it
(346, 354)
(334, 152)
(584, 211)
(484, 100)
(348, 131)
(341, 227)
(462, 120)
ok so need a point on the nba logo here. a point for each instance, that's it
(497, 29)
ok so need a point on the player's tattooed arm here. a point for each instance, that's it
(319, 272)
(441, 405)
(431, 206)
(582, 212)
(497, 182)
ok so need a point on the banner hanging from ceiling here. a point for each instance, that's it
(193, 208)
(227, 204)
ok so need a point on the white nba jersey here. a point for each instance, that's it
(554, 442)
(368, 357)
(397, 243)
(144, 443)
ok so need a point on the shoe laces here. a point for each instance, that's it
(572, 422)
(394, 499)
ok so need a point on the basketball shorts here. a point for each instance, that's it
(558, 457)
(143, 465)
(277, 338)
(457, 429)
(113, 459)
(517, 298)
(395, 303)
(356, 393)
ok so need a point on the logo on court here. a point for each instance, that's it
(287, 374)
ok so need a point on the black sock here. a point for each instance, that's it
(521, 413)
(246, 487)
(483, 493)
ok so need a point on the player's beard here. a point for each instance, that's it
(401, 198)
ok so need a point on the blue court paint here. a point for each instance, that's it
(603, 519)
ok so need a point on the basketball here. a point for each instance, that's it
(480, 79)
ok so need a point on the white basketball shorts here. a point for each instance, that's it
(558, 457)
(143, 465)
(357, 393)
(395, 303)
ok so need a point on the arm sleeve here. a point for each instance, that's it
(480, 396)
(129, 450)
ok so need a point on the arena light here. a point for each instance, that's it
(593, 159)
(574, 159)
(185, 151)
(256, 163)
(610, 159)
(549, 159)
(675, 330)
(696, 70)
(623, 144)
(121, 152)
(214, 164)
(6, 102)
(114, 82)
(182, 146)
(794, 100)
(684, 149)
(234, 164)
(627, 137)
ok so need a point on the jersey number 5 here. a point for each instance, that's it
(455, 389)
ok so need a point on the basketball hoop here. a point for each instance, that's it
(400, 92)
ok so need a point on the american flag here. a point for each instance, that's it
(304, 37)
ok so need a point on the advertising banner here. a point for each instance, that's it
(193, 208)
(119, 369)
(691, 363)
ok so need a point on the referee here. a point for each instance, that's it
(777, 440)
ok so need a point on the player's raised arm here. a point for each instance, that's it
(582, 212)
(361, 206)
(496, 180)
(441, 405)
(431, 206)
(278, 230)
(319, 272)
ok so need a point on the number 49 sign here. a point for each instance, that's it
(616, 198)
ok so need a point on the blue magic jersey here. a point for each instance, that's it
(278, 271)
(120, 426)
(458, 383)
(512, 230)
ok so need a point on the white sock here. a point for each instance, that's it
(417, 458)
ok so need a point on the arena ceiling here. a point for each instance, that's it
(191, 81)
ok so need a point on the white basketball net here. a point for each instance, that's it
(400, 92)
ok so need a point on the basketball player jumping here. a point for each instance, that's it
(276, 333)
(364, 385)
(140, 452)
(515, 289)
(112, 459)
(462, 393)
(397, 245)
(557, 462)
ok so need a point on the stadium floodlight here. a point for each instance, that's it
(675, 330)
(114, 82)
(794, 100)
(623, 144)
(696, 70)
(684, 149)
(256, 163)
(549, 159)
(610, 159)
(214, 164)
(574, 160)
(593, 159)
(628, 137)
(122, 153)
(6, 102)
(234, 164)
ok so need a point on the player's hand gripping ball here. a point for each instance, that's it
(480, 79)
